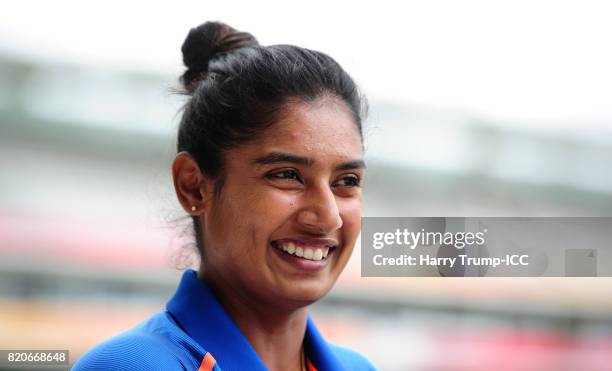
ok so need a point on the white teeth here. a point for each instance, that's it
(304, 252)
(308, 253)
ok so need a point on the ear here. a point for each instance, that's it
(192, 187)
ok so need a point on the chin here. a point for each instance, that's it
(307, 293)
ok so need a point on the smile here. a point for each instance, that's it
(313, 251)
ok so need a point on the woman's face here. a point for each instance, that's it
(286, 221)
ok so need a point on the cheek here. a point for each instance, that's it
(273, 201)
(264, 211)
(350, 211)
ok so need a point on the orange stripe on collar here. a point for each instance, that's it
(207, 363)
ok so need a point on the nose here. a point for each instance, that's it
(319, 213)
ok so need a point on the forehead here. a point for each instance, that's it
(324, 127)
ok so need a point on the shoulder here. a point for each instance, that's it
(128, 351)
(351, 360)
(144, 347)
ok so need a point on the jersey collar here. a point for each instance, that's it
(202, 316)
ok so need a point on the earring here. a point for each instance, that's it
(193, 208)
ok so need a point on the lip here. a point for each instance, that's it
(305, 264)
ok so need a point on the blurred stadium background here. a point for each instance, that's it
(91, 236)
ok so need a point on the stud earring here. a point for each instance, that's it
(193, 208)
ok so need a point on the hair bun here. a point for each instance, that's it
(205, 42)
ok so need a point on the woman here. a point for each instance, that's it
(269, 167)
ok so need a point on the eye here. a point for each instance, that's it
(287, 174)
(349, 181)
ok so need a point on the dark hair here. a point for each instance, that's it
(238, 87)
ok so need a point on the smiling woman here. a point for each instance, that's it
(269, 166)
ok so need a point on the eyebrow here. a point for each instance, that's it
(282, 157)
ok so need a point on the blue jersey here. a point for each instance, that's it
(195, 333)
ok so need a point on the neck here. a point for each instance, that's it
(275, 333)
